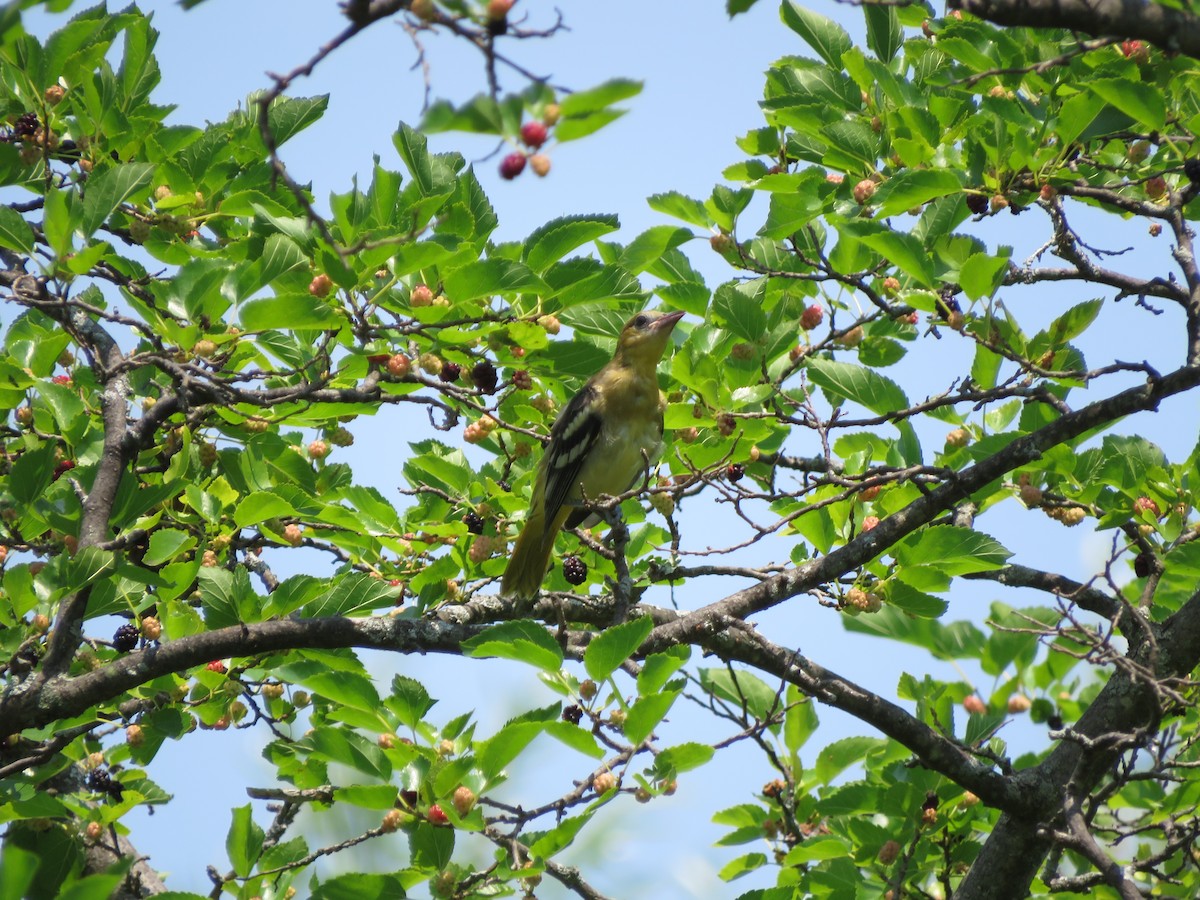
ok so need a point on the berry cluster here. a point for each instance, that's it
(102, 782)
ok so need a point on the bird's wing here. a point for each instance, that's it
(571, 440)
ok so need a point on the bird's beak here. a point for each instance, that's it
(667, 322)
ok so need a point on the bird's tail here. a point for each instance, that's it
(530, 558)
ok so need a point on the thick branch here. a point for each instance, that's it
(1161, 25)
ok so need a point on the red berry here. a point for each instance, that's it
(512, 166)
(1146, 505)
(216, 666)
(864, 191)
(811, 317)
(399, 365)
(436, 816)
(318, 449)
(64, 380)
(974, 705)
(421, 295)
(534, 134)
(1156, 187)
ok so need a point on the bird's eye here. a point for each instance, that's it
(641, 321)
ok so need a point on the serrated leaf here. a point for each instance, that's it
(523, 640)
(244, 841)
(15, 232)
(167, 543)
(951, 550)
(866, 387)
(914, 187)
(680, 206)
(109, 188)
(595, 99)
(1143, 103)
(491, 276)
(645, 714)
(916, 603)
(609, 649)
(554, 240)
(824, 35)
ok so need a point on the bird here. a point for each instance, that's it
(602, 440)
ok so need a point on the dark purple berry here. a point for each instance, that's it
(1191, 168)
(977, 203)
(474, 522)
(450, 371)
(574, 570)
(126, 638)
(483, 373)
(26, 125)
(735, 472)
(572, 714)
(1143, 565)
(100, 781)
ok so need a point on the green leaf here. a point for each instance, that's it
(800, 721)
(598, 98)
(982, 274)
(244, 841)
(951, 550)
(288, 116)
(556, 239)
(359, 885)
(818, 848)
(682, 758)
(649, 246)
(109, 188)
(737, 308)
(788, 213)
(659, 667)
(866, 387)
(885, 37)
(15, 232)
(914, 602)
(258, 507)
(523, 640)
(743, 865)
(409, 700)
(824, 35)
(293, 311)
(646, 713)
(913, 187)
(613, 646)
(576, 738)
(902, 250)
(559, 837)
(680, 206)
(166, 544)
(840, 755)
(1143, 103)
(506, 745)
(491, 276)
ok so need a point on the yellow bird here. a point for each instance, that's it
(599, 444)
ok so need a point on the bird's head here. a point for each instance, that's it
(645, 337)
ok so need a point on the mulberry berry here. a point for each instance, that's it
(450, 371)
(483, 373)
(474, 522)
(126, 638)
(574, 570)
(572, 714)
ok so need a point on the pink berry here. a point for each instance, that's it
(512, 166)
